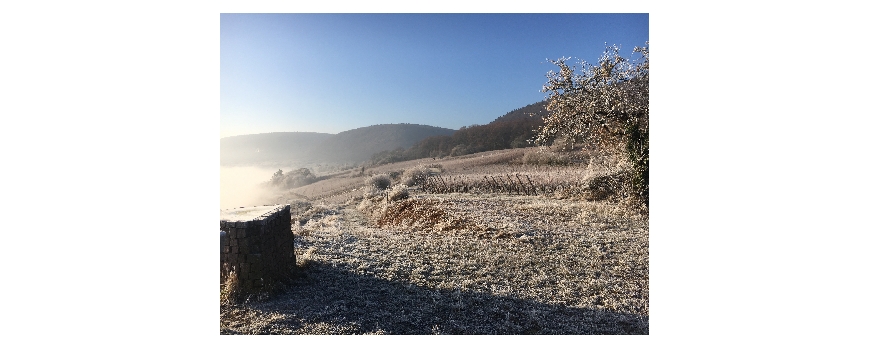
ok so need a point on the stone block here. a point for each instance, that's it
(260, 250)
(256, 272)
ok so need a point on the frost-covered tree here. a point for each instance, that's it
(606, 104)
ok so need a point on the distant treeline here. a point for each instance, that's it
(512, 130)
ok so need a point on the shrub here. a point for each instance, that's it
(414, 176)
(604, 187)
(291, 179)
(371, 192)
(398, 193)
(380, 181)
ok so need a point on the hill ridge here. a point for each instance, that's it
(302, 148)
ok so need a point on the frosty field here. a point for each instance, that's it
(458, 263)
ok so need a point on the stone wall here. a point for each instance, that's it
(260, 251)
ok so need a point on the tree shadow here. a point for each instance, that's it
(350, 303)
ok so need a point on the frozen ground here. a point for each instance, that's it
(502, 265)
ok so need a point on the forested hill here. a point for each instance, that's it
(539, 108)
(290, 149)
(511, 130)
(358, 145)
(383, 143)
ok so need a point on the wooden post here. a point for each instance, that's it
(532, 185)
(508, 176)
(504, 185)
(489, 186)
(526, 190)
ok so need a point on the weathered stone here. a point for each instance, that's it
(260, 251)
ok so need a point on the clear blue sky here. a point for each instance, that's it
(334, 72)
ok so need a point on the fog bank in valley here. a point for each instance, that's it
(242, 186)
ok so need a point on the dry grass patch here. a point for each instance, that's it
(230, 289)
(422, 214)
(412, 213)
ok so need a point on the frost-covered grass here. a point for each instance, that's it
(408, 261)
(519, 265)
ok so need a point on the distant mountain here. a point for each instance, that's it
(298, 148)
(279, 147)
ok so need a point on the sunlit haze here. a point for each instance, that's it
(334, 72)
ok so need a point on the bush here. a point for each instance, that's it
(291, 179)
(398, 193)
(414, 176)
(604, 187)
(380, 181)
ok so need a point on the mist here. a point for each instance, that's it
(242, 187)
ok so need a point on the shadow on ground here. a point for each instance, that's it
(330, 300)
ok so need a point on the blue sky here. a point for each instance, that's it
(334, 72)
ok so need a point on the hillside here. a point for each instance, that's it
(511, 130)
(467, 249)
(302, 148)
(539, 108)
(359, 144)
(279, 147)
(384, 143)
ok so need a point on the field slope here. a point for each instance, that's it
(485, 260)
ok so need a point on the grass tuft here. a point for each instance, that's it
(230, 292)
